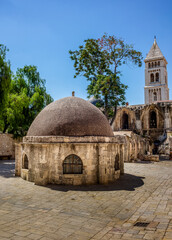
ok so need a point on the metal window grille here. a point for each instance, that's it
(72, 165)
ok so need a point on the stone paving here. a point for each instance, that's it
(143, 194)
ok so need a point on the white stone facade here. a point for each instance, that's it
(156, 79)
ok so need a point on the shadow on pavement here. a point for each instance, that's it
(126, 182)
(7, 168)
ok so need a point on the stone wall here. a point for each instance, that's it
(135, 146)
(139, 119)
(46, 155)
(7, 146)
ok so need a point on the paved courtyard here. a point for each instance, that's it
(143, 194)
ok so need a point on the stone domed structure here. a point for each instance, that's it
(94, 100)
(70, 142)
(70, 116)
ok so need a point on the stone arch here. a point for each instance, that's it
(117, 162)
(152, 119)
(125, 122)
(151, 77)
(156, 128)
(72, 165)
(25, 161)
(118, 121)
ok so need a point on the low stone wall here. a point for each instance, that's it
(7, 146)
(154, 158)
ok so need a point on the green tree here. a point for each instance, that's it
(26, 99)
(5, 76)
(99, 60)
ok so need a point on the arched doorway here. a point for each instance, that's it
(125, 124)
(152, 120)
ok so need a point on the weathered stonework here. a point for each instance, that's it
(7, 146)
(139, 120)
(46, 155)
(135, 146)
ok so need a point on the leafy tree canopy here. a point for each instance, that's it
(26, 99)
(99, 61)
(5, 76)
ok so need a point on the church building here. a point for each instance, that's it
(154, 118)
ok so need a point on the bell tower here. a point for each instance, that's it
(156, 81)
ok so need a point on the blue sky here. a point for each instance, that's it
(41, 32)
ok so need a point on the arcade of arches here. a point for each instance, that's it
(148, 120)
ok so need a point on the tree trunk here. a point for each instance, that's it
(114, 115)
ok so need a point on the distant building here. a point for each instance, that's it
(154, 118)
(156, 81)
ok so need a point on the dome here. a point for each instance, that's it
(94, 101)
(70, 116)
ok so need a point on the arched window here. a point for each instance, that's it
(155, 64)
(155, 96)
(117, 165)
(152, 77)
(72, 165)
(158, 63)
(157, 77)
(25, 162)
(125, 121)
(149, 65)
(152, 65)
(152, 120)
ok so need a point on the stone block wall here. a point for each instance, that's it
(135, 146)
(7, 146)
(46, 155)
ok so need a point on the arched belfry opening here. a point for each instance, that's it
(125, 124)
(155, 96)
(152, 77)
(152, 119)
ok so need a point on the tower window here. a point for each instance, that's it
(152, 65)
(152, 120)
(149, 65)
(157, 77)
(152, 77)
(158, 63)
(72, 165)
(155, 64)
(155, 96)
